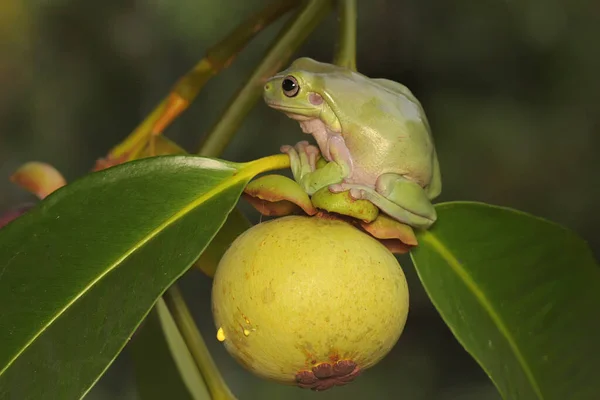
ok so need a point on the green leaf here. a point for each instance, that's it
(79, 272)
(522, 296)
(164, 367)
(235, 225)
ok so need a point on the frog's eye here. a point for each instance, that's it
(290, 86)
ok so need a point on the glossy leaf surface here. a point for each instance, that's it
(79, 272)
(521, 294)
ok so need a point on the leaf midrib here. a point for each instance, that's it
(485, 304)
(246, 172)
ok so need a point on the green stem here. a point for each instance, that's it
(195, 343)
(221, 55)
(185, 90)
(346, 48)
(278, 55)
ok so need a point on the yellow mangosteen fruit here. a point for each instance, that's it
(309, 301)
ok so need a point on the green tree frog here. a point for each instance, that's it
(373, 133)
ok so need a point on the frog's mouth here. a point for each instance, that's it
(292, 112)
(281, 107)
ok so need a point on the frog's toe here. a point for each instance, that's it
(337, 188)
(286, 148)
(301, 145)
(309, 154)
(305, 147)
(357, 194)
(312, 150)
(313, 154)
(295, 161)
(357, 191)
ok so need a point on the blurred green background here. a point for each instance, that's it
(511, 90)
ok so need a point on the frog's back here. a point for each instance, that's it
(387, 129)
(434, 188)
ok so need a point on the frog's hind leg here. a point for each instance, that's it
(404, 200)
(400, 198)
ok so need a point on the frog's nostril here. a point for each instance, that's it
(267, 87)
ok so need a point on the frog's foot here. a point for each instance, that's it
(303, 158)
(355, 190)
(401, 199)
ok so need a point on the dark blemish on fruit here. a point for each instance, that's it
(334, 356)
(344, 367)
(304, 378)
(323, 370)
(327, 375)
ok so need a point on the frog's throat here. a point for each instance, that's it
(320, 132)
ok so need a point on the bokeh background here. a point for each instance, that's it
(511, 89)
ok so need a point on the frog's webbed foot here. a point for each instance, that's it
(303, 158)
(400, 198)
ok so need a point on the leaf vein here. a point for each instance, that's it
(244, 173)
(457, 267)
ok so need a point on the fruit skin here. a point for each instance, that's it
(310, 301)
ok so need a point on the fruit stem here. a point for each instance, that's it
(265, 164)
(195, 343)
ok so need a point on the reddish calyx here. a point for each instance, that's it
(327, 375)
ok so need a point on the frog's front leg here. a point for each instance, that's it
(398, 197)
(303, 160)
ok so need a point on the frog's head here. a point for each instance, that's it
(300, 93)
